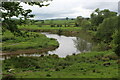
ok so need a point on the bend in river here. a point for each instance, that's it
(67, 46)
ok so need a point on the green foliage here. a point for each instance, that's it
(106, 29)
(8, 77)
(98, 16)
(14, 9)
(101, 47)
(86, 24)
(96, 20)
(78, 21)
(116, 40)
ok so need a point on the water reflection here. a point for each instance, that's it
(66, 45)
(82, 45)
(69, 45)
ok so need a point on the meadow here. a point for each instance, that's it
(84, 65)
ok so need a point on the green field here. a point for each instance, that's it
(48, 22)
(84, 65)
(45, 27)
(29, 40)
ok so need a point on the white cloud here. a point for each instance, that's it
(71, 8)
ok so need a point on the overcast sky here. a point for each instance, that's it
(71, 8)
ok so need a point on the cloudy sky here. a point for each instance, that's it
(71, 8)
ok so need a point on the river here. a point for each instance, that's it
(67, 46)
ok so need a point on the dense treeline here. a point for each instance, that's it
(107, 30)
(105, 26)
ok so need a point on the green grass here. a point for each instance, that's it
(58, 21)
(84, 65)
(34, 41)
(46, 27)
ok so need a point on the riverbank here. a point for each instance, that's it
(67, 31)
(84, 65)
(32, 43)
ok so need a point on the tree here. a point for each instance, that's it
(106, 29)
(14, 9)
(116, 38)
(67, 18)
(116, 41)
(98, 16)
(78, 21)
(85, 23)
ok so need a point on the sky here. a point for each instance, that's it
(71, 8)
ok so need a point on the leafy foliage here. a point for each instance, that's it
(14, 9)
(98, 16)
(106, 29)
(116, 40)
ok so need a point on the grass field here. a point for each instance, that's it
(84, 65)
(71, 22)
(45, 27)
(31, 41)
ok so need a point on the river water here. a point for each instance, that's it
(67, 46)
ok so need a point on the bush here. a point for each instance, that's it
(116, 40)
(117, 50)
(101, 47)
(8, 77)
(106, 29)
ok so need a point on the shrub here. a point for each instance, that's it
(116, 40)
(8, 77)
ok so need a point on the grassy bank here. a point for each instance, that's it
(32, 42)
(67, 31)
(84, 65)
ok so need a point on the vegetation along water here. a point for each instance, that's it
(59, 48)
